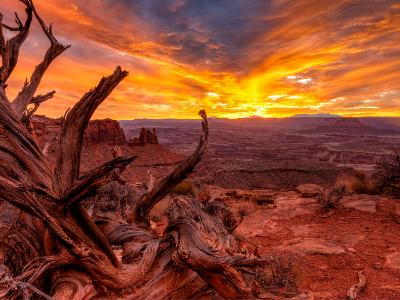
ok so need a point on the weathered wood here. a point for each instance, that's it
(144, 205)
(74, 125)
(9, 50)
(26, 96)
(353, 292)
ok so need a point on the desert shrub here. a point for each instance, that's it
(387, 174)
(357, 183)
(244, 208)
(329, 198)
(184, 188)
(278, 276)
(113, 197)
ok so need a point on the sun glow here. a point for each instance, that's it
(302, 64)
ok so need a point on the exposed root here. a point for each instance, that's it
(357, 288)
(10, 287)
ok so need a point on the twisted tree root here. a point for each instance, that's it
(357, 288)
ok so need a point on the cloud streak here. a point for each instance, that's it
(232, 57)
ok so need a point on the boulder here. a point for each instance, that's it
(308, 190)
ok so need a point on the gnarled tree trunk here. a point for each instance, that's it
(59, 249)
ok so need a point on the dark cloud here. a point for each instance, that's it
(187, 53)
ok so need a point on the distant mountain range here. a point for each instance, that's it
(316, 116)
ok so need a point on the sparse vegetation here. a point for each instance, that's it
(246, 207)
(329, 198)
(357, 183)
(184, 188)
(155, 218)
(387, 174)
(279, 276)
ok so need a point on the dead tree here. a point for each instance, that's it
(50, 245)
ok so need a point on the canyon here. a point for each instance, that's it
(255, 167)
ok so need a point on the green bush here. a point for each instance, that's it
(184, 188)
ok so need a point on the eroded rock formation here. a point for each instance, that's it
(106, 131)
(146, 136)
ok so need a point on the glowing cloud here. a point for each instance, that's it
(236, 58)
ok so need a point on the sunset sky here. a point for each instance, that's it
(235, 58)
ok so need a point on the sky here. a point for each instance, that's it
(235, 58)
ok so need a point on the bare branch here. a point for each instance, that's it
(42, 98)
(26, 96)
(144, 205)
(28, 114)
(2, 39)
(10, 27)
(95, 179)
(10, 50)
(74, 125)
(9, 284)
(37, 100)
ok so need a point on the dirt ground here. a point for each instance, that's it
(331, 248)
(328, 249)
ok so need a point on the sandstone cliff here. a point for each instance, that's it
(104, 131)
(107, 131)
(146, 136)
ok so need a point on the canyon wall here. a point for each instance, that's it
(107, 131)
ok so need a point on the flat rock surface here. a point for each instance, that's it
(365, 203)
(329, 249)
(393, 260)
(351, 239)
(289, 205)
(313, 246)
(308, 190)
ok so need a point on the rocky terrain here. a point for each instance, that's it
(100, 138)
(279, 153)
(265, 164)
(326, 250)
(256, 170)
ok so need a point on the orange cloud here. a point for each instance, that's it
(234, 58)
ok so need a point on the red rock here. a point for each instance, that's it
(308, 190)
(47, 130)
(146, 136)
(104, 131)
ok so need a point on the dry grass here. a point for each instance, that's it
(387, 174)
(184, 188)
(329, 198)
(278, 276)
(245, 208)
(357, 183)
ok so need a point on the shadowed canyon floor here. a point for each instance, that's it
(279, 153)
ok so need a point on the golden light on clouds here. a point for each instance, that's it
(235, 58)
